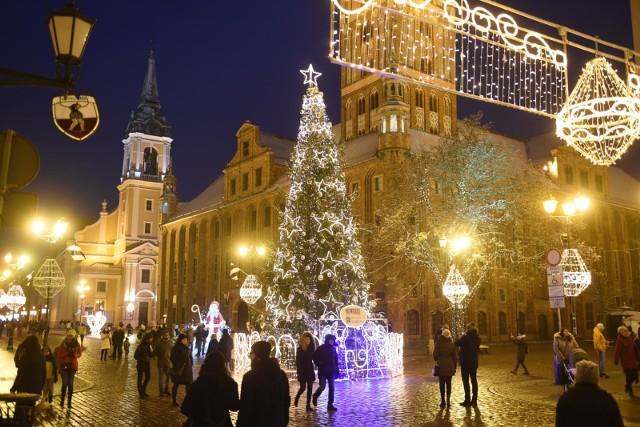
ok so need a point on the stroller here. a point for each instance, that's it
(575, 356)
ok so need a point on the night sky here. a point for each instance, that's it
(218, 63)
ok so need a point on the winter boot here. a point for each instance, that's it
(295, 401)
(449, 400)
(442, 404)
(62, 396)
(69, 398)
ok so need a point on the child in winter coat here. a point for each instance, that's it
(52, 373)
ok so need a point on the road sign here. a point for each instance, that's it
(556, 286)
(556, 302)
(554, 257)
(554, 271)
(19, 160)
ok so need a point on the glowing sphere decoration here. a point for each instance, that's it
(601, 118)
(251, 289)
(576, 278)
(455, 289)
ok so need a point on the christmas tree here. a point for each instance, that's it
(318, 266)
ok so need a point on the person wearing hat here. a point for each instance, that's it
(326, 359)
(68, 354)
(182, 370)
(264, 396)
(600, 345)
(586, 404)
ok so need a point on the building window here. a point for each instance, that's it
(413, 293)
(258, 177)
(568, 175)
(502, 323)
(216, 229)
(253, 220)
(245, 181)
(377, 183)
(147, 227)
(245, 148)
(267, 216)
(379, 296)
(216, 266)
(226, 265)
(520, 296)
(482, 323)
(194, 270)
(101, 286)
(482, 292)
(148, 205)
(228, 228)
(145, 276)
(589, 314)
(502, 295)
(232, 187)
(184, 271)
(355, 187)
(584, 179)
(412, 322)
(99, 305)
(599, 183)
(174, 273)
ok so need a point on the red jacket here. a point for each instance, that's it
(626, 352)
(68, 354)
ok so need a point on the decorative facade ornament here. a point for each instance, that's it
(601, 117)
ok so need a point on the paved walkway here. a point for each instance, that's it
(108, 395)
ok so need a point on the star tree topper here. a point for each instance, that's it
(310, 76)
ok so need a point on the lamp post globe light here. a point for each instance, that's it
(82, 289)
(130, 298)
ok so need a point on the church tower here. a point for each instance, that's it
(147, 157)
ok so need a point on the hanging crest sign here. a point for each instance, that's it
(78, 118)
(353, 316)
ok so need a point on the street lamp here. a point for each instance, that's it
(69, 32)
(130, 298)
(82, 289)
(49, 280)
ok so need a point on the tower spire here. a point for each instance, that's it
(148, 118)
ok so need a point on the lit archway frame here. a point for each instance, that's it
(484, 54)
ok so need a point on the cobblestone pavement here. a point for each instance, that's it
(107, 396)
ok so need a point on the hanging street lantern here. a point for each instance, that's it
(251, 289)
(14, 298)
(455, 289)
(576, 278)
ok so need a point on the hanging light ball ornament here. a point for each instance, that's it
(251, 289)
(14, 298)
(601, 118)
(575, 278)
(455, 289)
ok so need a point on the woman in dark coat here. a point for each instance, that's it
(32, 368)
(446, 357)
(143, 355)
(212, 395)
(304, 367)
(627, 357)
(182, 370)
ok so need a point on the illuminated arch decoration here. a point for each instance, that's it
(575, 278)
(601, 118)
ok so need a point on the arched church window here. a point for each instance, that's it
(150, 166)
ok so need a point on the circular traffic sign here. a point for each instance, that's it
(554, 257)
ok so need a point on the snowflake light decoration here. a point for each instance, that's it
(576, 278)
(601, 118)
(455, 289)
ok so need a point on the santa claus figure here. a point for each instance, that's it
(214, 320)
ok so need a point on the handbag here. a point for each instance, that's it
(176, 371)
(435, 370)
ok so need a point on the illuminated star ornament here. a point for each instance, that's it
(310, 76)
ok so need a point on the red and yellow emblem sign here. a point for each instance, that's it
(76, 117)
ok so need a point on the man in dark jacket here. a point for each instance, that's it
(226, 346)
(326, 359)
(117, 339)
(264, 396)
(586, 404)
(469, 345)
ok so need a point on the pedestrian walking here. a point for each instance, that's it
(82, 330)
(304, 368)
(117, 339)
(51, 375)
(226, 346)
(31, 368)
(626, 355)
(326, 359)
(469, 345)
(127, 345)
(198, 334)
(68, 353)
(563, 343)
(600, 345)
(523, 349)
(446, 358)
(264, 396)
(143, 355)
(182, 370)
(439, 331)
(162, 351)
(212, 395)
(105, 343)
(10, 329)
(586, 404)
(213, 343)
